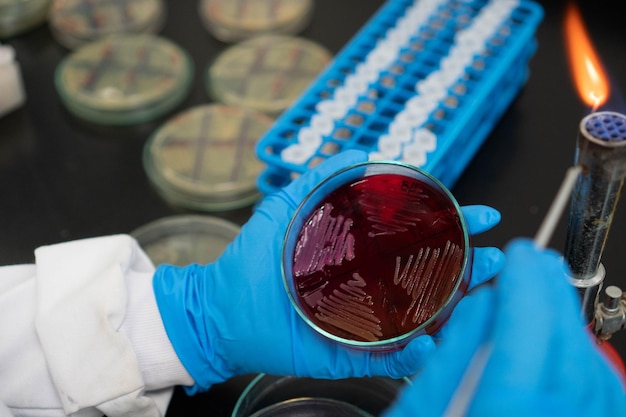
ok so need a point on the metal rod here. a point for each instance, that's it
(551, 220)
(464, 393)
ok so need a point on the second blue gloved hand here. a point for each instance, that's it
(543, 361)
(234, 316)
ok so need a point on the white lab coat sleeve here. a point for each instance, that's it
(84, 334)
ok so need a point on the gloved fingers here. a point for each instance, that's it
(301, 186)
(534, 295)
(432, 389)
(480, 218)
(487, 263)
(405, 362)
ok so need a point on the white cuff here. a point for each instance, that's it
(157, 359)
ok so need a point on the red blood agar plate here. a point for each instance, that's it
(377, 254)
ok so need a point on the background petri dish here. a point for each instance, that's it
(266, 73)
(19, 16)
(185, 239)
(311, 407)
(370, 396)
(124, 79)
(204, 158)
(231, 21)
(376, 255)
(77, 22)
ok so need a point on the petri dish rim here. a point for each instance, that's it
(206, 197)
(359, 170)
(151, 22)
(261, 385)
(134, 110)
(180, 225)
(232, 30)
(217, 66)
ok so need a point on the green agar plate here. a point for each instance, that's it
(185, 239)
(204, 158)
(231, 21)
(124, 79)
(19, 16)
(267, 73)
(77, 22)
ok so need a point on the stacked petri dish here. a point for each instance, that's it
(185, 239)
(77, 22)
(232, 21)
(276, 396)
(19, 16)
(266, 73)
(124, 79)
(203, 158)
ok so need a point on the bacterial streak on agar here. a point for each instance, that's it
(201, 146)
(206, 138)
(425, 278)
(113, 61)
(333, 242)
(282, 78)
(402, 218)
(349, 308)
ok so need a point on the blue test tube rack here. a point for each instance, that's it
(423, 82)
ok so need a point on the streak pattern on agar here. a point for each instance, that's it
(333, 242)
(424, 279)
(349, 308)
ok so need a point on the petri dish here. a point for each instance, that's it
(74, 23)
(267, 73)
(19, 16)
(204, 157)
(232, 21)
(376, 255)
(185, 239)
(270, 395)
(311, 407)
(124, 79)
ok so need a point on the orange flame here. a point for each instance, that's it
(587, 70)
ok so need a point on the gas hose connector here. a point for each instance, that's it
(610, 314)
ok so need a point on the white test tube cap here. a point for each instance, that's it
(331, 108)
(322, 124)
(296, 154)
(414, 155)
(425, 139)
(389, 146)
(309, 138)
(400, 129)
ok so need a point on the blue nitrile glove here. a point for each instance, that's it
(234, 316)
(543, 361)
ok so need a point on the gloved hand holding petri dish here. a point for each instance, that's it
(376, 255)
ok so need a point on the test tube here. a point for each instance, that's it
(601, 151)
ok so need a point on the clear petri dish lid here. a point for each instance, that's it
(231, 21)
(393, 267)
(77, 22)
(124, 78)
(267, 73)
(266, 394)
(19, 16)
(311, 407)
(204, 158)
(185, 239)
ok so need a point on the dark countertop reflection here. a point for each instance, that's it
(63, 179)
